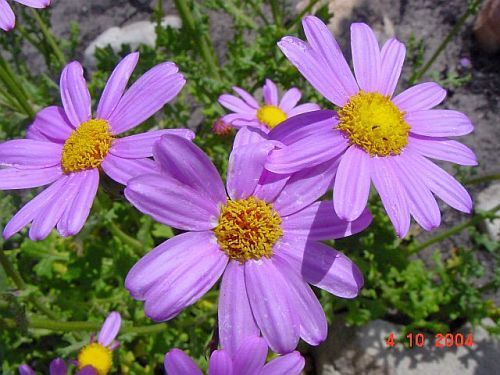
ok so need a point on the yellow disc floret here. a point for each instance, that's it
(374, 123)
(87, 146)
(97, 356)
(248, 229)
(271, 116)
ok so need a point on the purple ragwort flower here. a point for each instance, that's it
(248, 112)
(249, 359)
(263, 238)
(7, 17)
(67, 147)
(377, 137)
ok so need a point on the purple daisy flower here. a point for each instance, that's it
(67, 147)
(7, 17)
(57, 367)
(248, 112)
(263, 238)
(377, 137)
(249, 359)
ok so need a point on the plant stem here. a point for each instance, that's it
(457, 229)
(10, 81)
(471, 9)
(136, 245)
(277, 16)
(11, 271)
(202, 39)
(479, 180)
(50, 38)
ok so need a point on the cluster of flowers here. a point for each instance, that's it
(261, 232)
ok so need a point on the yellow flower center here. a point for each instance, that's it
(271, 116)
(97, 356)
(87, 146)
(248, 229)
(374, 123)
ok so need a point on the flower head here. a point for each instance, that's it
(7, 17)
(98, 355)
(67, 147)
(57, 367)
(249, 359)
(374, 136)
(222, 128)
(248, 112)
(262, 236)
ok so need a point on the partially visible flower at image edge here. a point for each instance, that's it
(7, 16)
(248, 112)
(378, 138)
(57, 367)
(249, 359)
(263, 239)
(67, 147)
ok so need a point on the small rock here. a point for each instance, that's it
(486, 200)
(363, 350)
(134, 34)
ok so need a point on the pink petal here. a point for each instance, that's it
(303, 108)
(420, 97)
(45, 220)
(322, 266)
(439, 123)
(270, 302)
(187, 163)
(421, 202)
(178, 363)
(290, 99)
(28, 212)
(7, 17)
(235, 104)
(442, 149)
(115, 87)
(146, 96)
(291, 364)
(251, 356)
(246, 165)
(334, 64)
(58, 367)
(270, 92)
(319, 222)
(236, 320)
(53, 123)
(392, 56)
(442, 184)
(270, 185)
(30, 154)
(352, 184)
(305, 187)
(12, 178)
(249, 99)
(171, 202)
(365, 57)
(75, 95)
(123, 170)
(141, 145)
(77, 212)
(313, 324)
(35, 3)
(110, 329)
(248, 135)
(392, 194)
(188, 282)
(220, 363)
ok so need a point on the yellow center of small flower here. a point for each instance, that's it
(248, 229)
(271, 116)
(87, 146)
(97, 356)
(374, 123)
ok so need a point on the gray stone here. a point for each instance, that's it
(134, 34)
(363, 350)
(486, 200)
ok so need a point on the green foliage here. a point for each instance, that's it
(81, 278)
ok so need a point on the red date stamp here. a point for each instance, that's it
(439, 340)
